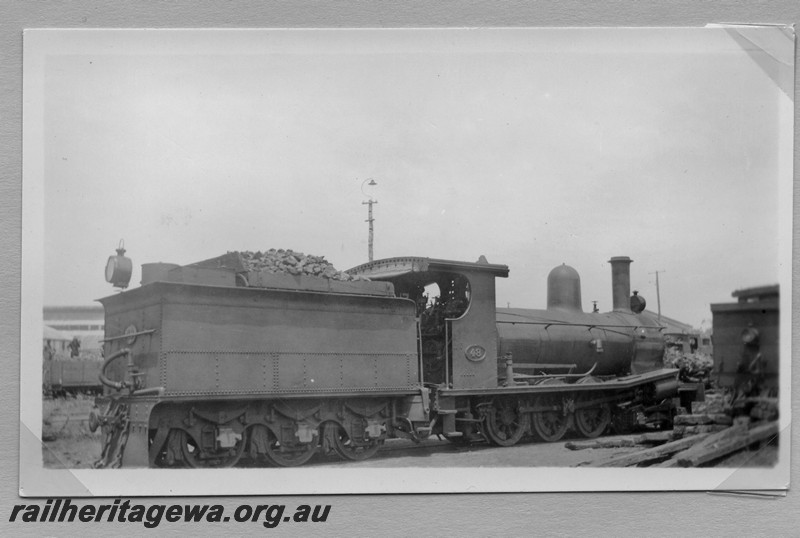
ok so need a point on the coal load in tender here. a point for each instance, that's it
(293, 263)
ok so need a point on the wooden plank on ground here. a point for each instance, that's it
(705, 418)
(625, 442)
(714, 438)
(728, 433)
(657, 452)
(654, 437)
(600, 443)
(684, 431)
(729, 445)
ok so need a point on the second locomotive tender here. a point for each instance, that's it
(213, 363)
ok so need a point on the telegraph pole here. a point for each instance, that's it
(658, 293)
(370, 220)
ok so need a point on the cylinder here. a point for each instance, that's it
(564, 289)
(621, 283)
(666, 388)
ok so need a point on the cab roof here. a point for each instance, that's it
(394, 267)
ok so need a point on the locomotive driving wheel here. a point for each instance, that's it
(550, 425)
(591, 421)
(345, 447)
(505, 424)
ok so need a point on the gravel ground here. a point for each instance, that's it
(67, 442)
(436, 453)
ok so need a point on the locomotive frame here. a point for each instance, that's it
(204, 370)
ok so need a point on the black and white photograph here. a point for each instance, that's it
(360, 261)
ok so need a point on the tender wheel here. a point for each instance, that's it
(591, 421)
(181, 448)
(178, 450)
(345, 447)
(189, 449)
(505, 425)
(290, 454)
(550, 425)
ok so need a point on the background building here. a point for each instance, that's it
(84, 322)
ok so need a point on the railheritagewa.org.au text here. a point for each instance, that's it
(151, 516)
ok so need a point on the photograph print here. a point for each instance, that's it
(406, 261)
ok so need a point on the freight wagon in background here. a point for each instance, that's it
(746, 341)
(71, 376)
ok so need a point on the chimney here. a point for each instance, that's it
(621, 283)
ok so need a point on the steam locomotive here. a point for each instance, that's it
(211, 364)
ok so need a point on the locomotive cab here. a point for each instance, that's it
(456, 313)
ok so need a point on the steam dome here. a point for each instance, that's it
(564, 289)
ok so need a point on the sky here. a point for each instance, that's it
(531, 147)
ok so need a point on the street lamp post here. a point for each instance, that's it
(658, 294)
(369, 203)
